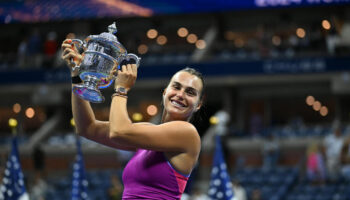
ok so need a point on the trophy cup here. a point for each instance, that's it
(102, 53)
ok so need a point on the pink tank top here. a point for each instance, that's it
(149, 175)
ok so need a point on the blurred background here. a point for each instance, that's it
(278, 69)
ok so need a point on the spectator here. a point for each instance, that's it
(270, 152)
(58, 60)
(340, 36)
(185, 196)
(115, 192)
(50, 49)
(199, 195)
(238, 191)
(2, 169)
(38, 159)
(39, 188)
(256, 195)
(22, 53)
(332, 148)
(315, 167)
(34, 49)
(256, 124)
(345, 159)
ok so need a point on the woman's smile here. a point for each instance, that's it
(178, 104)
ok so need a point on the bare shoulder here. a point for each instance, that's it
(174, 136)
(145, 123)
(182, 125)
(179, 126)
(186, 131)
(187, 128)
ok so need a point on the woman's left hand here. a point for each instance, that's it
(126, 77)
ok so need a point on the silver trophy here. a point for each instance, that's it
(102, 53)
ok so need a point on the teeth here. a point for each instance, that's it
(176, 104)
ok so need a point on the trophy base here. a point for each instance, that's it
(90, 94)
(103, 79)
(95, 75)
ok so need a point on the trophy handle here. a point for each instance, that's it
(133, 57)
(129, 58)
(76, 43)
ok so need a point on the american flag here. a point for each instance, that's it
(79, 184)
(13, 187)
(220, 187)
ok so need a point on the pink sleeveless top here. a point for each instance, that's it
(149, 175)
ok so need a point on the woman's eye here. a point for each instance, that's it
(191, 93)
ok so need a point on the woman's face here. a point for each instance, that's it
(182, 96)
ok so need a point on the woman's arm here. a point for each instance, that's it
(84, 117)
(176, 136)
(90, 128)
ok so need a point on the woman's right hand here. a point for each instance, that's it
(69, 53)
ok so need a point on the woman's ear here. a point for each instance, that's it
(199, 105)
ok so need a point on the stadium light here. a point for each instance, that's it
(182, 32)
(161, 40)
(324, 111)
(192, 38)
(213, 120)
(152, 33)
(152, 110)
(326, 25)
(142, 49)
(317, 106)
(16, 108)
(13, 123)
(30, 112)
(310, 100)
(137, 117)
(300, 32)
(72, 122)
(201, 44)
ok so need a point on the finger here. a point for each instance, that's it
(65, 45)
(114, 70)
(66, 42)
(134, 68)
(66, 51)
(129, 69)
(124, 69)
(69, 56)
(69, 46)
(114, 67)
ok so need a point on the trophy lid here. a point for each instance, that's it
(108, 37)
(111, 34)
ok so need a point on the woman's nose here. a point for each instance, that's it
(180, 93)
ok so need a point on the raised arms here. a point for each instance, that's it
(86, 123)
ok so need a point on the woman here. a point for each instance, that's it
(165, 153)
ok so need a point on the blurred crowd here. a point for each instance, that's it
(326, 164)
(40, 48)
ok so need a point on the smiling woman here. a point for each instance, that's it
(184, 94)
(165, 154)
